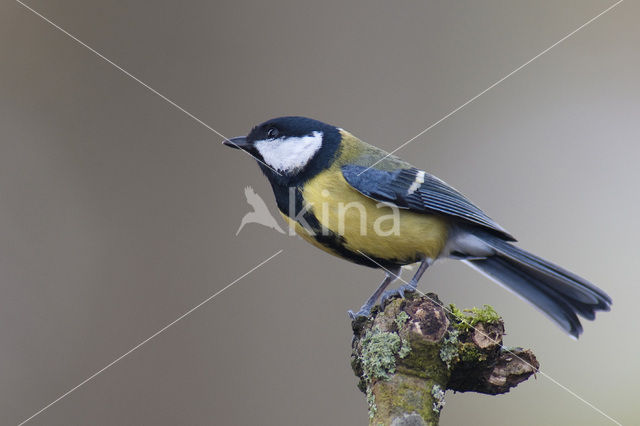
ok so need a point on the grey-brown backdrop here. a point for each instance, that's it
(118, 212)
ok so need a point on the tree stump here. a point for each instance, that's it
(408, 354)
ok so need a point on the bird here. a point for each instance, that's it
(260, 213)
(358, 202)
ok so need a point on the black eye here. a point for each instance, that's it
(273, 133)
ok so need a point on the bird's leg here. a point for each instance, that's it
(365, 310)
(411, 286)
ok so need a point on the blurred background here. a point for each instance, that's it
(118, 212)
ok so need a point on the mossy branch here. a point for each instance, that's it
(408, 354)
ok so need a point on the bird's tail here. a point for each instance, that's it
(557, 292)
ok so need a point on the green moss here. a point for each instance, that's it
(408, 395)
(469, 353)
(487, 314)
(469, 318)
(449, 348)
(424, 361)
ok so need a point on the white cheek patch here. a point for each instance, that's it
(289, 154)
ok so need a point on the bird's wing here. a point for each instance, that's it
(416, 190)
(250, 194)
(254, 200)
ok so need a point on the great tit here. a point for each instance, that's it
(357, 202)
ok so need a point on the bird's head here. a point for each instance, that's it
(290, 148)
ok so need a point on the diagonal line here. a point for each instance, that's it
(495, 84)
(174, 104)
(128, 74)
(501, 346)
(163, 329)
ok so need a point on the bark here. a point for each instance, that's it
(415, 349)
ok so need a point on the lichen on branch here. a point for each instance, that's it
(409, 353)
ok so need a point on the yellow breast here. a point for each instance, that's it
(373, 228)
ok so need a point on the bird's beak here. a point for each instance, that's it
(238, 143)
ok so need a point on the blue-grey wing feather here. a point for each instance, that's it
(432, 195)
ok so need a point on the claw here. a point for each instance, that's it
(363, 312)
(386, 296)
(400, 291)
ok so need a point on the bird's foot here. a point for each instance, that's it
(400, 291)
(365, 311)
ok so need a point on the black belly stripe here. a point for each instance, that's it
(336, 243)
(328, 238)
